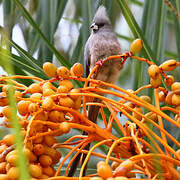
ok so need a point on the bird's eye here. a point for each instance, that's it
(100, 25)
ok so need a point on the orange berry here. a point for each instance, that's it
(57, 157)
(12, 159)
(114, 165)
(56, 116)
(49, 171)
(162, 96)
(48, 92)
(176, 99)
(155, 83)
(3, 168)
(151, 116)
(8, 139)
(169, 80)
(50, 69)
(77, 103)
(168, 99)
(34, 88)
(104, 170)
(153, 71)
(13, 173)
(47, 103)
(62, 89)
(175, 86)
(136, 46)
(38, 149)
(66, 101)
(43, 176)
(45, 160)
(77, 70)
(146, 98)
(65, 127)
(38, 140)
(36, 96)
(168, 65)
(33, 107)
(63, 72)
(3, 177)
(23, 106)
(6, 111)
(74, 97)
(3, 99)
(50, 140)
(138, 117)
(66, 83)
(29, 154)
(35, 170)
(17, 94)
(42, 116)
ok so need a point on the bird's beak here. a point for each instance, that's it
(94, 26)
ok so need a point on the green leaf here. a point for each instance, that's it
(62, 60)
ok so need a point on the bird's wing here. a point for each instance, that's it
(87, 58)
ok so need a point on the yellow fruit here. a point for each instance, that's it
(65, 127)
(153, 71)
(155, 83)
(38, 149)
(146, 98)
(56, 116)
(77, 103)
(3, 177)
(8, 139)
(168, 99)
(6, 111)
(47, 103)
(48, 92)
(77, 70)
(50, 69)
(128, 104)
(50, 140)
(66, 83)
(169, 80)
(29, 154)
(12, 159)
(168, 65)
(23, 106)
(34, 88)
(45, 160)
(74, 97)
(114, 165)
(42, 116)
(33, 107)
(36, 96)
(104, 170)
(136, 46)
(66, 101)
(62, 89)
(138, 117)
(63, 72)
(35, 170)
(121, 178)
(3, 99)
(151, 116)
(176, 99)
(175, 86)
(96, 178)
(13, 173)
(49, 171)
(162, 96)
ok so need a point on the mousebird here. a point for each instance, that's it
(101, 43)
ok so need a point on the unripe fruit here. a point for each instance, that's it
(49, 171)
(34, 88)
(9, 139)
(50, 140)
(146, 98)
(36, 96)
(153, 71)
(50, 69)
(35, 170)
(47, 103)
(104, 170)
(169, 80)
(168, 65)
(23, 106)
(45, 160)
(33, 107)
(3, 177)
(77, 70)
(138, 117)
(13, 173)
(63, 72)
(175, 86)
(155, 83)
(62, 89)
(162, 96)
(56, 116)
(66, 83)
(136, 46)
(176, 99)
(66, 101)
(2, 168)
(38, 149)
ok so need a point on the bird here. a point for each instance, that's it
(101, 43)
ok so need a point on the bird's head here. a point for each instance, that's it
(100, 20)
